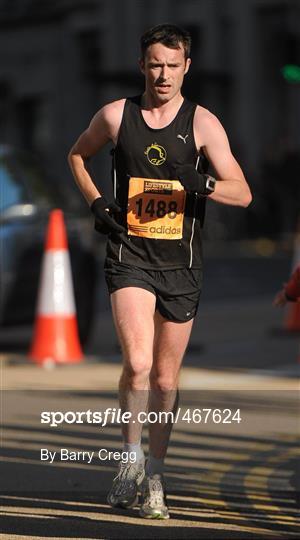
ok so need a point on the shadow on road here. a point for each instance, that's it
(236, 481)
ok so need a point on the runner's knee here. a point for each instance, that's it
(163, 383)
(136, 370)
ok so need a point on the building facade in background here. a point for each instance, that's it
(60, 60)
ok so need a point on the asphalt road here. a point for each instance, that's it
(233, 480)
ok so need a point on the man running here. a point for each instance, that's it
(153, 266)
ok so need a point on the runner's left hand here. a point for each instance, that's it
(191, 179)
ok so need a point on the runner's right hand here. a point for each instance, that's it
(104, 222)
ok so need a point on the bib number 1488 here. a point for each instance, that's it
(157, 208)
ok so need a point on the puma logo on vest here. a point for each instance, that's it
(183, 138)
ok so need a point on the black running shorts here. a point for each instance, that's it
(177, 291)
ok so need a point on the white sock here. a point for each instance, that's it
(136, 448)
(154, 465)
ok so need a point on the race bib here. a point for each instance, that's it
(155, 208)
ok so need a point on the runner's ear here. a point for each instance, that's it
(142, 65)
(187, 65)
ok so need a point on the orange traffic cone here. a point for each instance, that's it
(55, 338)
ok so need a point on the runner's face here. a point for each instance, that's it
(164, 70)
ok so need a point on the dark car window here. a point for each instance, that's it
(12, 191)
(23, 182)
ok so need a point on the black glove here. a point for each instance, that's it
(104, 222)
(192, 180)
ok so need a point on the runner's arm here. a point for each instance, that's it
(102, 129)
(231, 187)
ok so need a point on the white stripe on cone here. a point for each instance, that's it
(56, 296)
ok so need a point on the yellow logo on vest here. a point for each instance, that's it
(156, 154)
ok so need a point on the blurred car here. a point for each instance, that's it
(26, 199)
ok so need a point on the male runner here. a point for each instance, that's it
(154, 264)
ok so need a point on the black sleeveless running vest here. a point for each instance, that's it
(146, 153)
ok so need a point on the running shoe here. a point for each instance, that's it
(124, 491)
(154, 502)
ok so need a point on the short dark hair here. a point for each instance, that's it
(169, 35)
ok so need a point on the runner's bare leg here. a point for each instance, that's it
(133, 311)
(170, 342)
